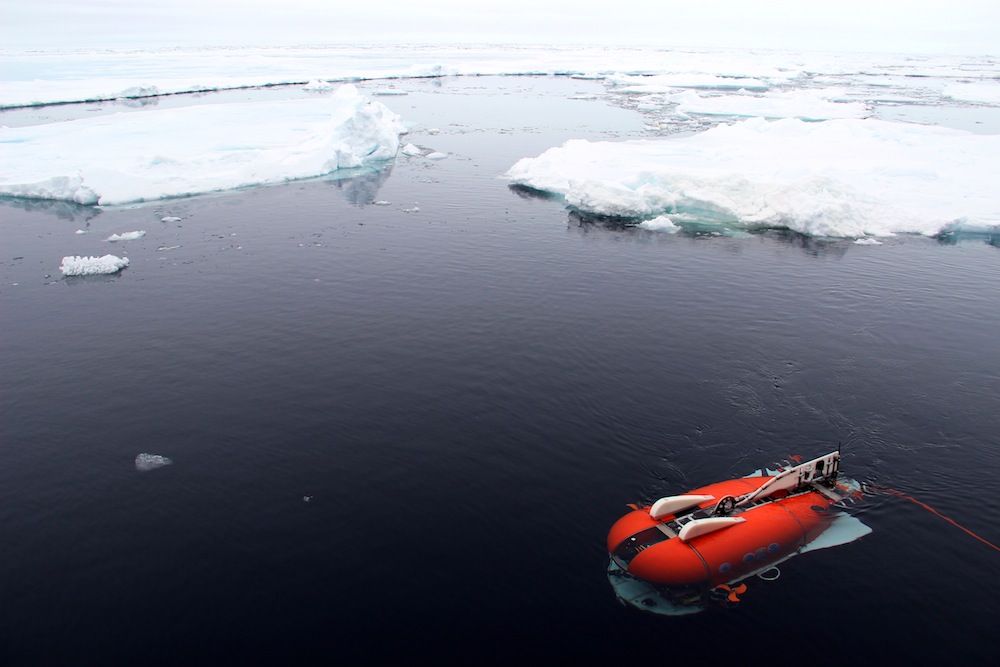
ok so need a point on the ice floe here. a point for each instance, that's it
(848, 177)
(126, 236)
(170, 218)
(132, 157)
(436, 155)
(985, 91)
(411, 150)
(92, 266)
(147, 462)
(804, 104)
(665, 83)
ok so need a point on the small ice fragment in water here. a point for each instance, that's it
(81, 231)
(411, 150)
(126, 236)
(170, 218)
(415, 209)
(660, 224)
(382, 202)
(867, 240)
(92, 266)
(147, 462)
(433, 130)
(437, 155)
(307, 499)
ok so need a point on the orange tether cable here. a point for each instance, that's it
(906, 496)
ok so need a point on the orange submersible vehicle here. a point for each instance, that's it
(682, 552)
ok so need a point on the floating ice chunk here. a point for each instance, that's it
(381, 202)
(170, 218)
(867, 240)
(659, 224)
(835, 178)
(412, 209)
(201, 148)
(126, 236)
(92, 266)
(433, 130)
(436, 155)
(411, 150)
(147, 462)
(319, 85)
(80, 231)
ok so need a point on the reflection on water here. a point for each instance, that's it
(360, 187)
(63, 210)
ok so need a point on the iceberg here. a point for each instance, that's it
(841, 178)
(92, 266)
(133, 157)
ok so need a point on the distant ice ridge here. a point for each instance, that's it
(40, 77)
(848, 178)
(92, 266)
(131, 157)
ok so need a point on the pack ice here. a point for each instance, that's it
(846, 177)
(140, 156)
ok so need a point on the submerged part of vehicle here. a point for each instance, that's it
(683, 552)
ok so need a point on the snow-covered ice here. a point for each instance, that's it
(92, 266)
(834, 178)
(804, 104)
(147, 462)
(80, 231)
(126, 236)
(131, 157)
(411, 150)
(436, 155)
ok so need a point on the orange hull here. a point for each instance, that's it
(769, 533)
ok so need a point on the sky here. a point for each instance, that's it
(968, 27)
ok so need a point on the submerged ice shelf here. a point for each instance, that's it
(846, 178)
(131, 157)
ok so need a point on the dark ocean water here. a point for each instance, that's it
(468, 395)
